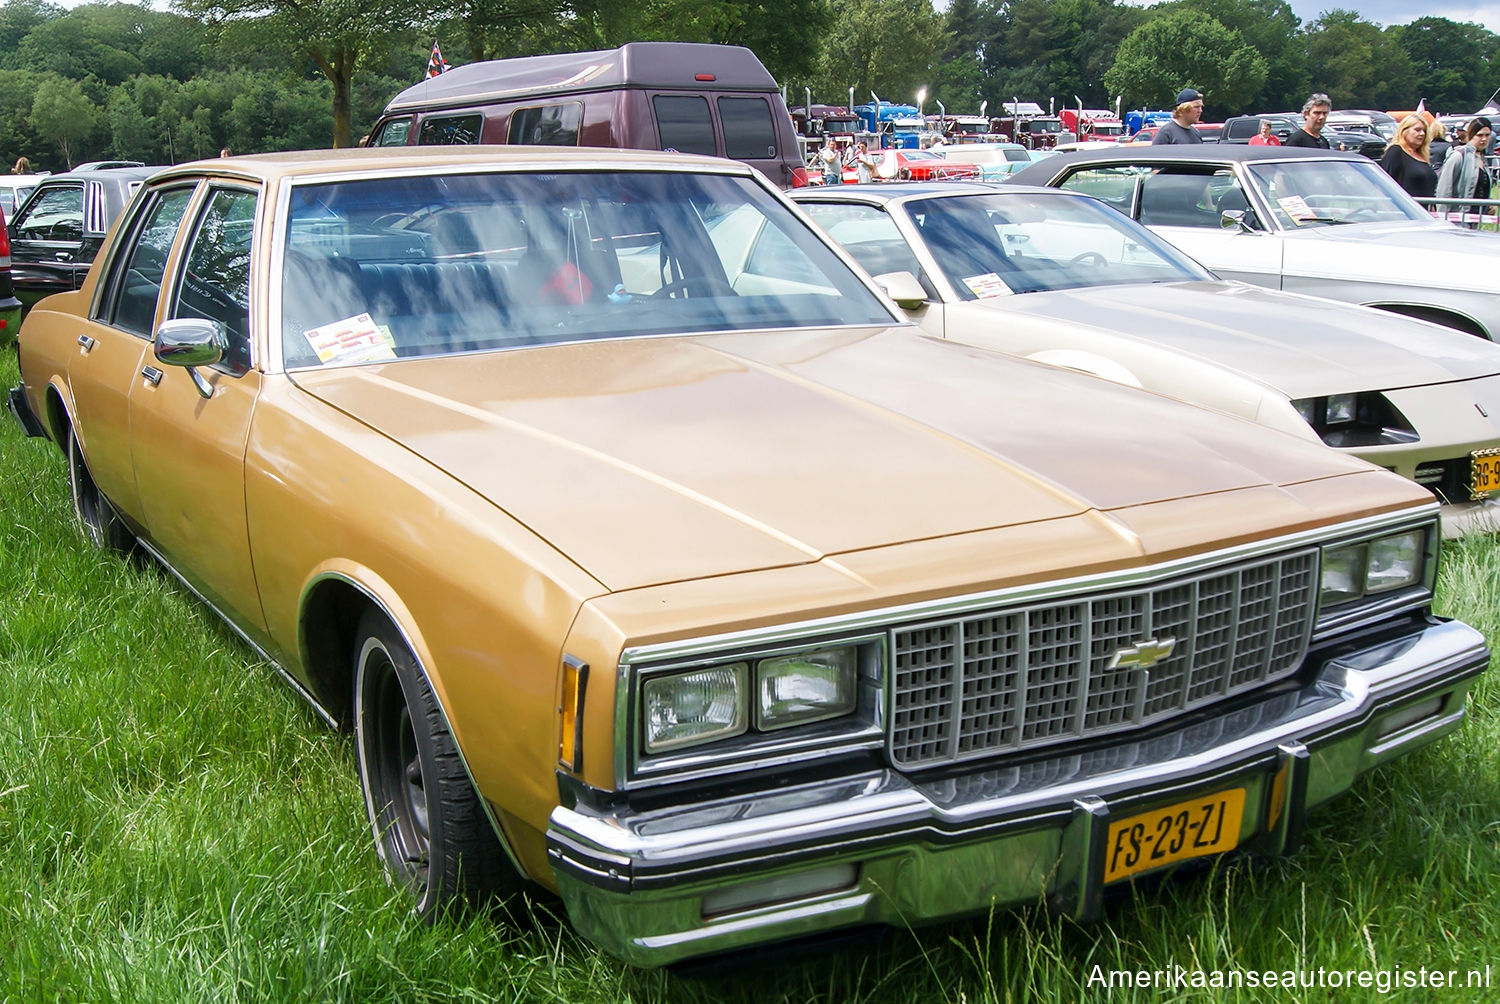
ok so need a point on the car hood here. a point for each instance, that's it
(655, 460)
(1301, 346)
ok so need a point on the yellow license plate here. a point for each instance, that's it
(1190, 829)
(1484, 472)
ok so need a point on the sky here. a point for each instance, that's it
(1388, 12)
(1382, 12)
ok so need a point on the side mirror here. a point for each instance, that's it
(902, 287)
(1241, 219)
(190, 342)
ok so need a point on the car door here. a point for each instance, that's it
(46, 240)
(188, 448)
(115, 340)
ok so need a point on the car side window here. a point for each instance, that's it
(135, 285)
(215, 280)
(684, 124)
(54, 215)
(451, 130)
(1115, 186)
(547, 125)
(393, 133)
(1172, 199)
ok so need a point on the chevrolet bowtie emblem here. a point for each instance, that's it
(1143, 654)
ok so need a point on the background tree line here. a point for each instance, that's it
(119, 80)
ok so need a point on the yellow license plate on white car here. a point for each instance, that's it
(1484, 472)
(1196, 828)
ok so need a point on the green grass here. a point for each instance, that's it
(175, 825)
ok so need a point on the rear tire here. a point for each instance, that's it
(429, 825)
(96, 516)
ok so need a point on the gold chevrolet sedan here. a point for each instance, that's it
(687, 580)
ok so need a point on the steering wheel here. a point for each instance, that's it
(706, 285)
(1093, 259)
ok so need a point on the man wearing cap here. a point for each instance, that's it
(1180, 130)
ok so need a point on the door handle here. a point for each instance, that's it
(86, 343)
(152, 374)
(63, 256)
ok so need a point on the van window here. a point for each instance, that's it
(452, 130)
(748, 131)
(393, 133)
(684, 124)
(547, 125)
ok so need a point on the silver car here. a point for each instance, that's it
(1306, 221)
(1060, 278)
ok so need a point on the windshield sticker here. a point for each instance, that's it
(987, 285)
(355, 339)
(1296, 207)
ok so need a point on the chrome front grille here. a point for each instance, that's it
(1081, 666)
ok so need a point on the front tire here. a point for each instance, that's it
(429, 826)
(96, 517)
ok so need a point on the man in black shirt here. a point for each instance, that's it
(1180, 130)
(1314, 117)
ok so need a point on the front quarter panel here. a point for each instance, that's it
(484, 603)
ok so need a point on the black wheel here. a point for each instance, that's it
(697, 285)
(430, 829)
(96, 517)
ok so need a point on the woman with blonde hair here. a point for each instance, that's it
(1407, 159)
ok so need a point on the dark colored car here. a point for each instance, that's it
(1244, 128)
(58, 229)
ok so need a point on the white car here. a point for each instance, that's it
(1306, 221)
(1060, 278)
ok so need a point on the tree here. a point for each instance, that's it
(958, 76)
(1183, 48)
(884, 46)
(1451, 61)
(1060, 48)
(62, 113)
(336, 35)
(1359, 66)
(1271, 28)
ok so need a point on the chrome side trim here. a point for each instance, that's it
(296, 684)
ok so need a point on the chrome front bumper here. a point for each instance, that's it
(657, 885)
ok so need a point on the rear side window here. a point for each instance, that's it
(138, 284)
(684, 124)
(748, 129)
(547, 125)
(451, 130)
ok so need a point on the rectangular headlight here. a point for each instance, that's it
(1343, 574)
(1395, 561)
(684, 709)
(807, 687)
(1373, 566)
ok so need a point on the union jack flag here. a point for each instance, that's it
(436, 63)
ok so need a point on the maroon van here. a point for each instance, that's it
(710, 99)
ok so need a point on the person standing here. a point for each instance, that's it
(1407, 159)
(828, 158)
(1464, 175)
(1437, 144)
(1314, 116)
(1265, 137)
(864, 164)
(1187, 113)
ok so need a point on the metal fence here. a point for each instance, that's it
(1471, 213)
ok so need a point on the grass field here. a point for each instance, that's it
(175, 825)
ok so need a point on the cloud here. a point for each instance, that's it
(1391, 12)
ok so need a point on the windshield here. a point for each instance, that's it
(1329, 192)
(387, 268)
(987, 245)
